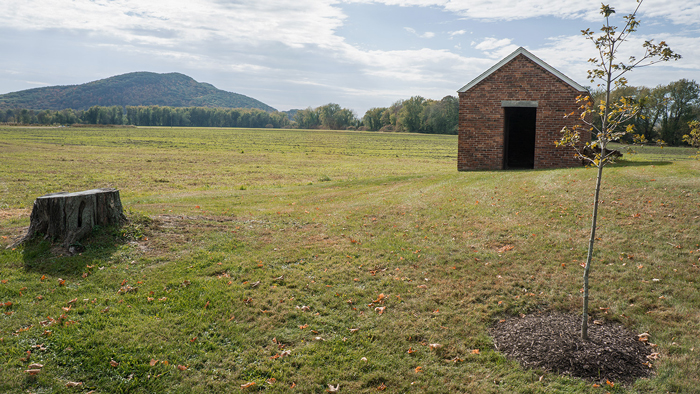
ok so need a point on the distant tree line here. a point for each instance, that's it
(150, 116)
(665, 110)
(416, 115)
(330, 116)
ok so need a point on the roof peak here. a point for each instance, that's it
(529, 55)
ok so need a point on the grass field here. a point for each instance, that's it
(290, 260)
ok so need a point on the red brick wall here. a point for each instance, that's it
(481, 117)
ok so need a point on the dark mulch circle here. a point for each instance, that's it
(553, 342)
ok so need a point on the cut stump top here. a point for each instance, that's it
(77, 194)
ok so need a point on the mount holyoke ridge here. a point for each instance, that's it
(133, 89)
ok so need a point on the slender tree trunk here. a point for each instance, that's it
(589, 258)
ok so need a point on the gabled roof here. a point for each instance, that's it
(538, 61)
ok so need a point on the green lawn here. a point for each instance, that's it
(298, 259)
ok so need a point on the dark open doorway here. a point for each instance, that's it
(519, 136)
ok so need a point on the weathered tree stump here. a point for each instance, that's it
(69, 217)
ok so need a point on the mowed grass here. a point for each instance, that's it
(297, 259)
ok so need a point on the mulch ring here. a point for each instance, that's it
(552, 342)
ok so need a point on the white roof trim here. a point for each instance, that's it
(530, 56)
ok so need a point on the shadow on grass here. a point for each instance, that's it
(45, 257)
(632, 163)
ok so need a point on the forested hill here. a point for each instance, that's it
(133, 89)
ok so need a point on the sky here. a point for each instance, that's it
(293, 54)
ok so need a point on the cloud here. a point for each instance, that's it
(177, 22)
(492, 43)
(424, 35)
(495, 48)
(676, 11)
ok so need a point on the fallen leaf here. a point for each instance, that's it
(182, 367)
(434, 346)
(475, 351)
(609, 383)
(410, 350)
(39, 366)
(380, 309)
(32, 372)
(246, 385)
(379, 299)
(332, 389)
(113, 363)
(381, 387)
(303, 327)
(271, 381)
(73, 384)
(153, 362)
(419, 369)
(354, 329)
(506, 248)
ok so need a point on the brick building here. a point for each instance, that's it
(511, 115)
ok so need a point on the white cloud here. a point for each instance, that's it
(176, 22)
(495, 48)
(424, 35)
(492, 43)
(677, 11)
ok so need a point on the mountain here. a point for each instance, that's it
(138, 88)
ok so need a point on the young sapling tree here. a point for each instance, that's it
(609, 71)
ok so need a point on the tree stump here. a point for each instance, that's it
(69, 217)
